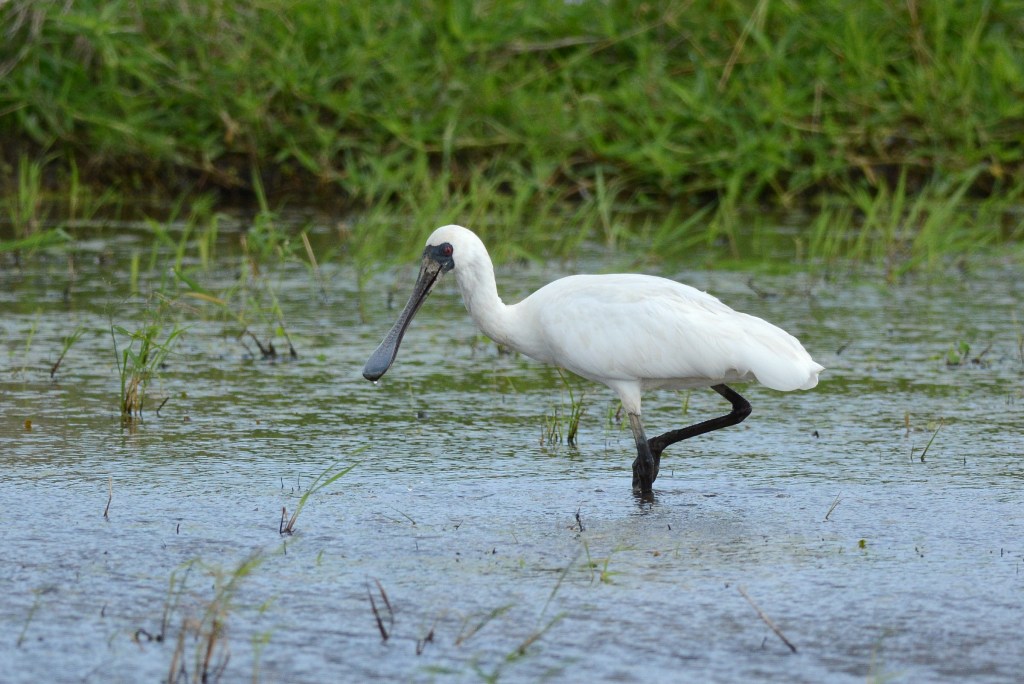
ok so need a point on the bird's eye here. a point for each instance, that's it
(446, 249)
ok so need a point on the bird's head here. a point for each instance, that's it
(446, 248)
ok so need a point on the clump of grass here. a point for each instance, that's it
(42, 239)
(599, 567)
(892, 227)
(28, 341)
(328, 477)
(251, 303)
(266, 237)
(139, 361)
(25, 207)
(958, 354)
(40, 218)
(576, 411)
(209, 631)
(520, 651)
(552, 427)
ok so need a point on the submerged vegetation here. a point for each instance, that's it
(672, 124)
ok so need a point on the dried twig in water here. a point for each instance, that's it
(761, 293)
(387, 603)
(404, 515)
(28, 619)
(421, 644)
(835, 502)
(288, 528)
(767, 620)
(110, 496)
(977, 360)
(376, 613)
(267, 352)
(284, 331)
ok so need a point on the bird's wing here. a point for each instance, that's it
(629, 327)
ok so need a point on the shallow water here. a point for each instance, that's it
(518, 560)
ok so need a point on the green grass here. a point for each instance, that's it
(207, 635)
(140, 356)
(324, 479)
(684, 123)
(69, 341)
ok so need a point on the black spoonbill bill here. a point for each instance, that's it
(630, 332)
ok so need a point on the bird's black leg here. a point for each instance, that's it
(645, 467)
(740, 410)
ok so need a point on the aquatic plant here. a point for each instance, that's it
(24, 207)
(28, 618)
(42, 239)
(209, 631)
(902, 231)
(251, 303)
(29, 337)
(576, 410)
(958, 354)
(552, 427)
(314, 266)
(139, 361)
(381, 627)
(326, 478)
(69, 341)
(767, 620)
(520, 650)
(835, 502)
(601, 565)
(929, 444)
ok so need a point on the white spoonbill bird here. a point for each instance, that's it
(630, 332)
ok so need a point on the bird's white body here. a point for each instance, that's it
(630, 332)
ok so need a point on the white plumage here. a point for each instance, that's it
(630, 332)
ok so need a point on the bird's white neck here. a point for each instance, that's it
(480, 294)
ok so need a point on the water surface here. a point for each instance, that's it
(487, 553)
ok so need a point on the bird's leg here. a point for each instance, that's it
(740, 410)
(645, 467)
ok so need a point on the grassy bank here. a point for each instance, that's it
(521, 112)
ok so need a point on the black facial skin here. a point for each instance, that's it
(442, 254)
